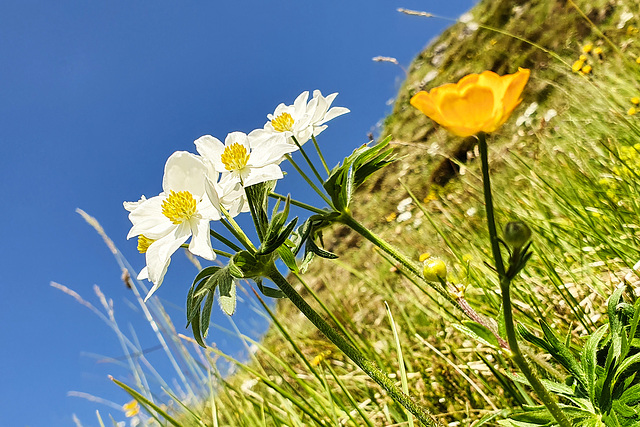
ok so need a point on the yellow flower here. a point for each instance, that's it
(577, 66)
(131, 409)
(477, 103)
(635, 100)
(586, 69)
(587, 47)
(638, 60)
(632, 111)
(583, 57)
(424, 256)
(597, 51)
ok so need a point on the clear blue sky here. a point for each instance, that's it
(95, 95)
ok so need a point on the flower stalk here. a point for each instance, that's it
(505, 287)
(351, 352)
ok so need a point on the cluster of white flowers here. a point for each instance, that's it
(196, 188)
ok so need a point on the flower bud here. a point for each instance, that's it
(516, 234)
(435, 270)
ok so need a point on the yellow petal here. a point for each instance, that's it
(465, 114)
(424, 102)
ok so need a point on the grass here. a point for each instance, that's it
(572, 177)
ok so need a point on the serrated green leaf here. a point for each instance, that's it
(269, 291)
(562, 354)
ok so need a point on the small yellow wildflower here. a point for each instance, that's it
(131, 409)
(391, 216)
(586, 69)
(577, 66)
(467, 258)
(597, 51)
(424, 256)
(635, 100)
(638, 60)
(320, 357)
(583, 57)
(587, 47)
(632, 111)
(632, 30)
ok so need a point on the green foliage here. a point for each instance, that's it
(603, 388)
(345, 179)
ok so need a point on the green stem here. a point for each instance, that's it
(309, 162)
(224, 240)
(298, 204)
(306, 178)
(488, 199)
(407, 263)
(355, 355)
(235, 229)
(505, 287)
(324, 163)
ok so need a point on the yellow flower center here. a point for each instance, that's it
(179, 207)
(143, 243)
(283, 123)
(235, 157)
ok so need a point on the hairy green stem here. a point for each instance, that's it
(324, 163)
(505, 287)
(394, 252)
(308, 180)
(298, 203)
(309, 162)
(351, 352)
(224, 240)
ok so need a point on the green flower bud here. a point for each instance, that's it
(434, 270)
(517, 234)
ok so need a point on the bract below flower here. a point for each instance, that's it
(164, 222)
(477, 103)
(241, 161)
(300, 120)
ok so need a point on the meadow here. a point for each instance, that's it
(566, 163)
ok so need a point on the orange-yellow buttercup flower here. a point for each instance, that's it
(477, 103)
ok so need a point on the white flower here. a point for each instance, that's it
(300, 120)
(242, 162)
(164, 222)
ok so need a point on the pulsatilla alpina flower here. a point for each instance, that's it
(239, 160)
(164, 222)
(300, 120)
(477, 103)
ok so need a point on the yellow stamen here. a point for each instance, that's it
(235, 157)
(283, 123)
(179, 207)
(144, 243)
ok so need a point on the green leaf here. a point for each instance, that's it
(258, 199)
(354, 170)
(227, 298)
(589, 361)
(269, 291)
(244, 265)
(288, 258)
(478, 332)
(205, 316)
(143, 401)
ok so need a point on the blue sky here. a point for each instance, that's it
(95, 95)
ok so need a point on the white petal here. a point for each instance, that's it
(262, 174)
(144, 274)
(131, 206)
(237, 138)
(211, 149)
(200, 241)
(159, 253)
(270, 153)
(334, 112)
(300, 104)
(184, 172)
(147, 219)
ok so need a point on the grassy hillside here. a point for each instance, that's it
(553, 166)
(567, 163)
